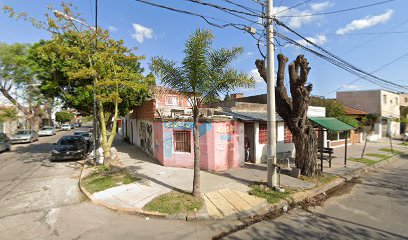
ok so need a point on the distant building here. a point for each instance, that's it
(384, 103)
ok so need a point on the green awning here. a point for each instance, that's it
(332, 124)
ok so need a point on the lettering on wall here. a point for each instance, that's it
(146, 135)
(226, 132)
(178, 125)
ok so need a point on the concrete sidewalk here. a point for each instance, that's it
(225, 193)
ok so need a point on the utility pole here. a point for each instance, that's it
(270, 67)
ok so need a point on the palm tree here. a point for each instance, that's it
(203, 73)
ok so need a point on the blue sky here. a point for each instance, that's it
(159, 32)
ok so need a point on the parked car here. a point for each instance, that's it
(24, 136)
(46, 131)
(5, 143)
(87, 136)
(69, 148)
(65, 127)
(75, 125)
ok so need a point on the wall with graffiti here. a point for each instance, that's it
(219, 144)
(146, 136)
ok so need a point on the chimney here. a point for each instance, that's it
(237, 95)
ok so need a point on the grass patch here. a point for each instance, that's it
(101, 180)
(396, 152)
(366, 161)
(174, 202)
(404, 144)
(320, 179)
(377, 155)
(270, 195)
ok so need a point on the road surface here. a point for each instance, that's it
(376, 207)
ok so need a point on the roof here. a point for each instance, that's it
(250, 116)
(331, 124)
(353, 111)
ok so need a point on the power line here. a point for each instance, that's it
(338, 11)
(334, 56)
(367, 33)
(205, 18)
(225, 9)
(294, 6)
(376, 70)
(242, 6)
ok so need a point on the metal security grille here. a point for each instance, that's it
(182, 141)
(263, 133)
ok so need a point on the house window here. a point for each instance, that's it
(385, 99)
(263, 133)
(288, 135)
(396, 100)
(406, 99)
(171, 100)
(182, 141)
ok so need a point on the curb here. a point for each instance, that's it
(261, 209)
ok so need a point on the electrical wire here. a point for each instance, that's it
(338, 11)
(376, 70)
(294, 6)
(333, 55)
(242, 6)
(205, 18)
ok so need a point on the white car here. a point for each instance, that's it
(46, 131)
(65, 127)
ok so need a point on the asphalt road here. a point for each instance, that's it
(376, 207)
(40, 199)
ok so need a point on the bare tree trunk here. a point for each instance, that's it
(294, 111)
(197, 162)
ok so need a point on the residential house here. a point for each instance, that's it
(162, 127)
(10, 126)
(252, 112)
(384, 103)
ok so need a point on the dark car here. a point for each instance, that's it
(87, 136)
(69, 148)
(5, 143)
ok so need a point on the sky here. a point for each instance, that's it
(368, 37)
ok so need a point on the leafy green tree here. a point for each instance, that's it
(204, 72)
(64, 116)
(8, 114)
(16, 74)
(75, 62)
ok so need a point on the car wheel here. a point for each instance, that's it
(9, 148)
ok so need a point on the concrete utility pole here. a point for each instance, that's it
(270, 67)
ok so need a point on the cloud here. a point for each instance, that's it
(255, 74)
(366, 22)
(141, 32)
(316, 7)
(250, 53)
(303, 15)
(319, 39)
(112, 29)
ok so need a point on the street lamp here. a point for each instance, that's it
(94, 29)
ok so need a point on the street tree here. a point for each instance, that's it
(76, 62)
(17, 79)
(203, 73)
(64, 116)
(294, 110)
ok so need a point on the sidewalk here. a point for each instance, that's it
(225, 193)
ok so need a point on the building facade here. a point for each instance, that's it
(385, 104)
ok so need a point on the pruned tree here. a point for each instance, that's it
(294, 110)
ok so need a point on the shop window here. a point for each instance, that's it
(182, 141)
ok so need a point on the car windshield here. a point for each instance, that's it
(84, 134)
(21, 132)
(46, 128)
(65, 125)
(3, 136)
(70, 141)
